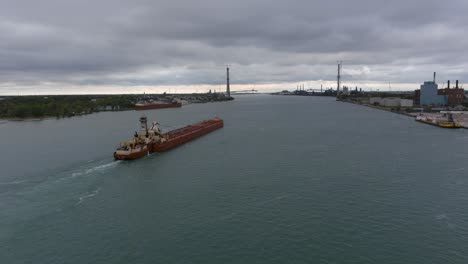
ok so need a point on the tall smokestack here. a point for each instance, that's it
(228, 89)
(338, 77)
(434, 76)
(448, 84)
(456, 84)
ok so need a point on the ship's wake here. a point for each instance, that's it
(88, 195)
(13, 182)
(457, 169)
(94, 169)
(87, 170)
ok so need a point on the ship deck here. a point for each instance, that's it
(187, 129)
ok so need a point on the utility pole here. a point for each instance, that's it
(338, 76)
(228, 90)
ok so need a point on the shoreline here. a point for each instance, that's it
(411, 114)
(379, 108)
(4, 120)
(43, 118)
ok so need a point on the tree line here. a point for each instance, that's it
(62, 105)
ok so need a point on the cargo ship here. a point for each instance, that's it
(149, 105)
(151, 140)
(444, 123)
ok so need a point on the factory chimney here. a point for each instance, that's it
(228, 89)
(448, 84)
(456, 84)
(434, 77)
(338, 77)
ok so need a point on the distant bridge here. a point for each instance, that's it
(245, 91)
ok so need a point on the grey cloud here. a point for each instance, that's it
(189, 42)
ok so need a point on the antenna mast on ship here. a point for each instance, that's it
(143, 125)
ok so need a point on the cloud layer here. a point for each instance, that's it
(65, 46)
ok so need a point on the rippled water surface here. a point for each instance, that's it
(287, 180)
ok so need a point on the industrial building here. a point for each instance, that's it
(391, 101)
(345, 90)
(430, 95)
(406, 103)
(455, 96)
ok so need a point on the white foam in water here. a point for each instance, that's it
(445, 219)
(88, 195)
(97, 168)
(12, 182)
(89, 171)
(458, 169)
(441, 216)
(76, 174)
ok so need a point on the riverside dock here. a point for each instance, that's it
(460, 117)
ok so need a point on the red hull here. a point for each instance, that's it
(131, 156)
(182, 135)
(157, 106)
(171, 139)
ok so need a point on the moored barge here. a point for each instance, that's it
(156, 105)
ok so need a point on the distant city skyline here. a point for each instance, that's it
(76, 47)
(174, 89)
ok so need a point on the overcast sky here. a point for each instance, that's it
(100, 46)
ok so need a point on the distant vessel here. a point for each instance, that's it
(152, 140)
(445, 123)
(148, 105)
